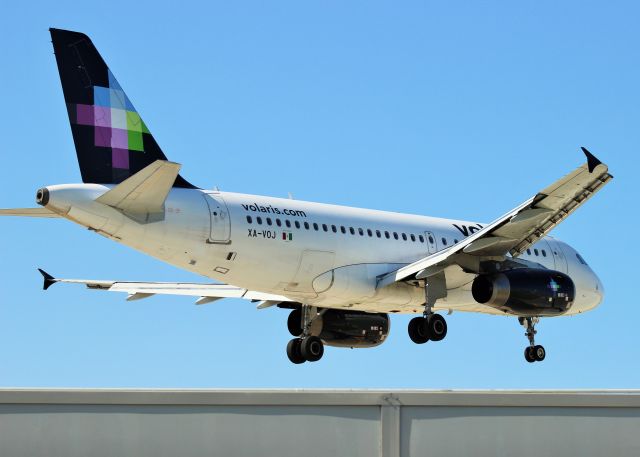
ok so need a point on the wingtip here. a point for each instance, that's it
(592, 161)
(48, 279)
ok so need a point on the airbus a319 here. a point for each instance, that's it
(340, 271)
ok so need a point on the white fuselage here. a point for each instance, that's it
(324, 255)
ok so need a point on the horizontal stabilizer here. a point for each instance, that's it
(142, 196)
(28, 212)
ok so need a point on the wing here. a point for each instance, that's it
(207, 293)
(518, 229)
(28, 212)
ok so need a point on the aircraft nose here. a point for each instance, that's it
(599, 289)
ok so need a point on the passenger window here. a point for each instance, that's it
(535, 251)
(369, 232)
(431, 239)
(249, 219)
(529, 251)
(334, 229)
(315, 226)
(352, 230)
(378, 234)
(343, 229)
(413, 237)
(455, 241)
(325, 228)
(278, 223)
(360, 231)
(395, 235)
(386, 235)
(268, 221)
(288, 223)
(444, 241)
(297, 224)
(544, 253)
(306, 225)
(404, 236)
(421, 238)
(259, 220)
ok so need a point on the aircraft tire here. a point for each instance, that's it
(418, 331)
(539, 353)
(529, 354)
(294, 322)
(293, 351)
(312, 348)
(437, 327)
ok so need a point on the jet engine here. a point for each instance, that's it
(352, 329)
(526, 292)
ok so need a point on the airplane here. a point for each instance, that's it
(341, 271)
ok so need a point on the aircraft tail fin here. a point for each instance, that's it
(111, 139)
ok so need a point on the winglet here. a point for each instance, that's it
(592, 161)
(48, 279)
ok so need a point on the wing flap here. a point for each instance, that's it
(206, 293)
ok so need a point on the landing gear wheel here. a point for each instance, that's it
(539, 353)
(437, 327)
(312, 348)
(418, 331)
(293, 351)
(294, 322)
(529, 354)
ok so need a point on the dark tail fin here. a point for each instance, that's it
(111, 139)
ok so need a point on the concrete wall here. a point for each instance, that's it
(281, 423)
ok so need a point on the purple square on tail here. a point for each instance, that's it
(103, 137)
(84, 114)
(120, 158)
(119, 139)
(102, 116)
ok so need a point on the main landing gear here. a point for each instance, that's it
(430, 326)
(533, 352)
(306, 347)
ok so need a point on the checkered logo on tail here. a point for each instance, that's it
(117, 125)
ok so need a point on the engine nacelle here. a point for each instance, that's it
(526, 292)
(354, 329)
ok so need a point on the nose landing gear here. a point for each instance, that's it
(533, 352)
(306, 347)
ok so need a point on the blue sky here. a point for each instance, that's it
(451, 109)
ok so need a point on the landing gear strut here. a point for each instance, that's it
(306, 347)
(430, 326)
(533, 352)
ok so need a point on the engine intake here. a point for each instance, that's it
(526, 292)
(354, 329)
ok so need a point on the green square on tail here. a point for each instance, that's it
(134, 122)
(135, 141)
